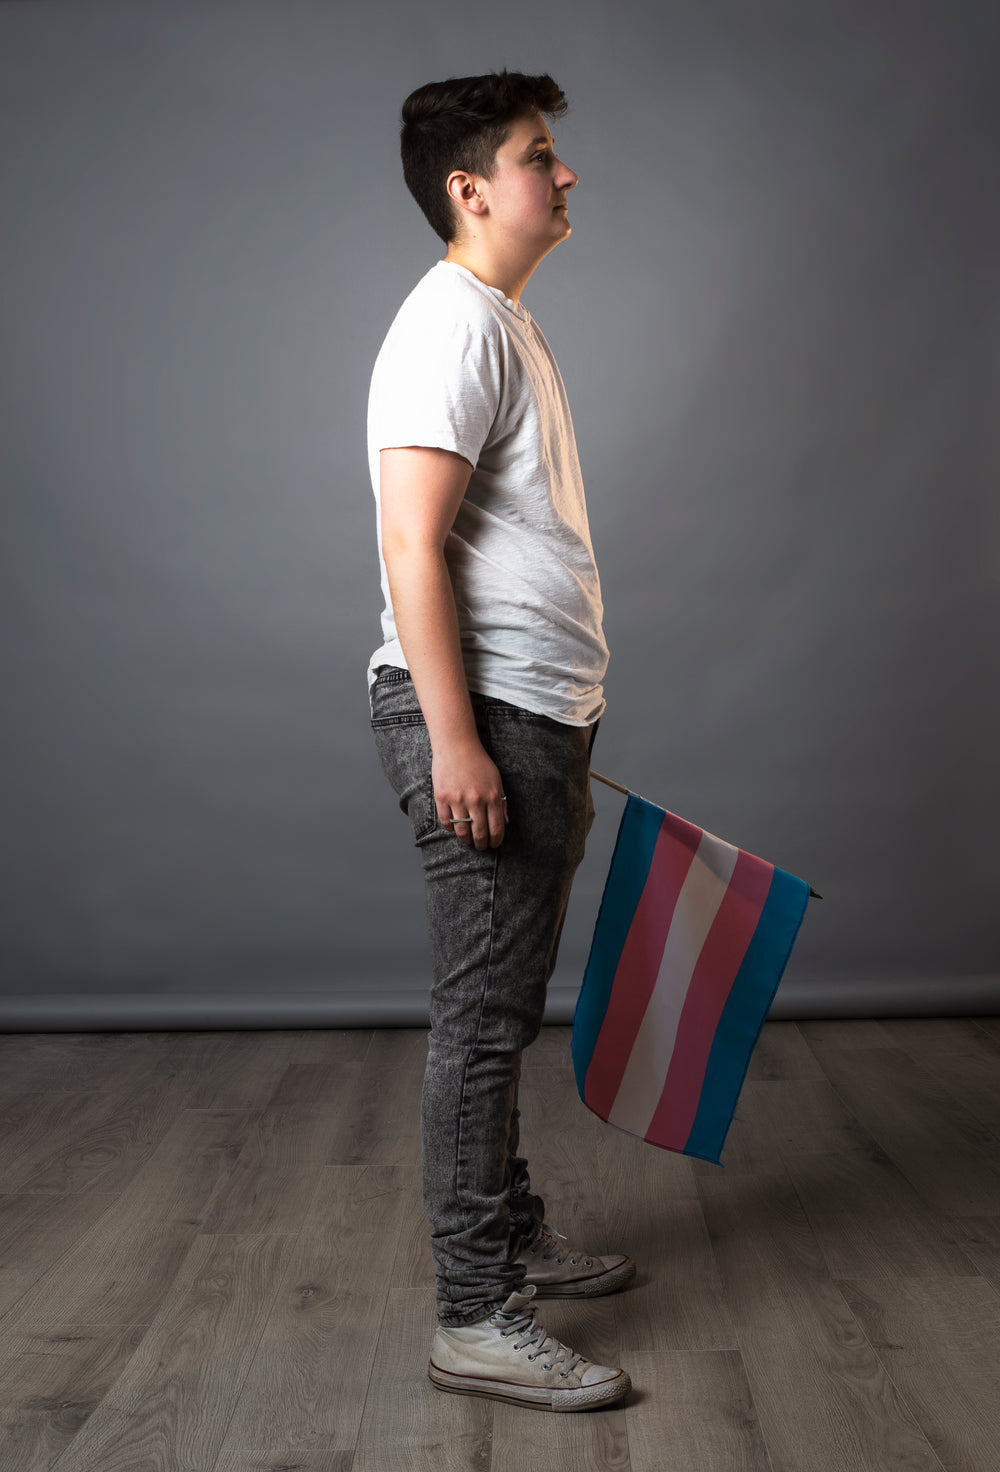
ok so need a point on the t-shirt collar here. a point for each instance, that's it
(512, 306)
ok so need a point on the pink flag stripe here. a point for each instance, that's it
(698, 903)
(639, 963)
(711, 983)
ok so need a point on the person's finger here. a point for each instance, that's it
(480, 824)
(462, 828)
(496, 814)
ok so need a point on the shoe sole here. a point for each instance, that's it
(536, 1398)
(587, 1287)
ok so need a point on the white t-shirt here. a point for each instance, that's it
(464, 368)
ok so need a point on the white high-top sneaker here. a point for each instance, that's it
(510, 1357)
(560, 1271)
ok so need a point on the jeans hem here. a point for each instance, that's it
(469, 1320)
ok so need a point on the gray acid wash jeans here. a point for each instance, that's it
(495, 919)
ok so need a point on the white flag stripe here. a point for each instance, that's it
(698, 903)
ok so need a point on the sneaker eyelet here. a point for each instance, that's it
(573, 1260)
(547, 1367)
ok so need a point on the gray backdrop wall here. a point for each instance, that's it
(777, 321)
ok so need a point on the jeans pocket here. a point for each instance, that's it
(404, 750)
(421, 809)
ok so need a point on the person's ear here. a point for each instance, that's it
(464, 192)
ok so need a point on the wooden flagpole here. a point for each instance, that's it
(813, 893)
(608, 782)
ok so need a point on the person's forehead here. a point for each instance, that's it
(528, 132)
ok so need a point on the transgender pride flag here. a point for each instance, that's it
(690, 943)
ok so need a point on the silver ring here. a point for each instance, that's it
(450, 822)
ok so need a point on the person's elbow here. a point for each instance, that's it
(405, 546)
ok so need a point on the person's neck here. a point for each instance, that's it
(510, 277)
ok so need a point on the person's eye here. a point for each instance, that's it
(543, 155)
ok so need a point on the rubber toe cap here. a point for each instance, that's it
(597, 1374)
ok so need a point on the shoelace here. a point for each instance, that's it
(547, 1238)
(557, 1352)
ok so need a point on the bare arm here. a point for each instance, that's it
(420, 491)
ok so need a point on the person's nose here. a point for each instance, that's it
(565, 178)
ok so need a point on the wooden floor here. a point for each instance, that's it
(213, 1257)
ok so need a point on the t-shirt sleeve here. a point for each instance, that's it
(437, 383)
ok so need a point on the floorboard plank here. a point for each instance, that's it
(989, 1026)
(120, 1270)
(699, 1406)
(285, 1461)
(590, 1441)
(801, 1117)
(379, 1119)
(307, 1385)
(750, 1147)
(37, 1062)
(927, 1037)
(654, 1213)
(239, 1070)
(822, 1395)
(320, 1084)
(940, 1341)
(83, 1062)
(105, 1138)
(782, 1052)
(332, 1047)
(851, 1033)
(174, 1398)
(973, 1079)
(551, 1049)
(870, 1222)
(979, 1240)
(764, 1244)
(125, 1443)
(50, 1384)
(35, 1231)
(414, 1266)
(951, 1159)
(409, 1425)
(32, 1125)
(275, 1177)
(559, 1137)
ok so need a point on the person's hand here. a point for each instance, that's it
(468, 791)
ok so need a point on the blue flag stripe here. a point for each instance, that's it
(637, 834)
(745, 1012)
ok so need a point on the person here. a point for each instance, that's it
(486, 694)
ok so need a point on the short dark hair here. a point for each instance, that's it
(460, 124)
